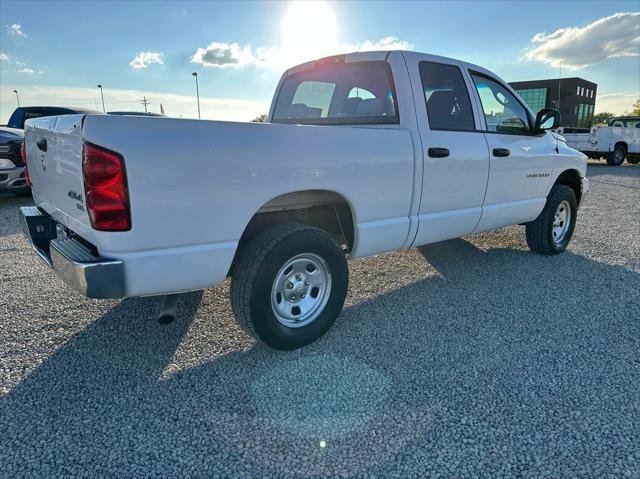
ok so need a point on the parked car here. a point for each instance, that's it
(616, 142)
(12, 174)
(363, 153)
(24, 113)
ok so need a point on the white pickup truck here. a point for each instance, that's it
(616, 142)
(363, 153)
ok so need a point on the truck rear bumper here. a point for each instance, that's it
(73, 262)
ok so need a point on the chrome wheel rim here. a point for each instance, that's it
(561, 222)
(300, 290)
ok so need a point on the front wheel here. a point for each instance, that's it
(633, 160)
(551, 232)
(288, 285)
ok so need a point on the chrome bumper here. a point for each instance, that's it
(73, 262)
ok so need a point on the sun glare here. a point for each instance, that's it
(309, 30)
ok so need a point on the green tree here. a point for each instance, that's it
(602, 118)
(260, 118)
(635, 109)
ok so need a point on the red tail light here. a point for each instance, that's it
(105, 187)
(23, 155)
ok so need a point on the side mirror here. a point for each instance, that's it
(547, 119)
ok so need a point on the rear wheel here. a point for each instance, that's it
(617, 157)
(551, 232)
(288, 285)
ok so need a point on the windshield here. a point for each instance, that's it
(348, 93)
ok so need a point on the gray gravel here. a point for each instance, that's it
(468, 358)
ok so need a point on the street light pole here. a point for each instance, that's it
(102, 96)
(195, 74)
(17, 97)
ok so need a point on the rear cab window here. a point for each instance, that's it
(356, 93)
(35, 114)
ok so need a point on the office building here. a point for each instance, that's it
(574, 97)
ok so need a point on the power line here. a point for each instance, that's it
(145, 102)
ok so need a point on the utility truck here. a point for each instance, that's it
(362, 154)
(616, 142)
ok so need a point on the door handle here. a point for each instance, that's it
(42, 144)
(438, 152)
(501, 152)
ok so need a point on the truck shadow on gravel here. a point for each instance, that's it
(504, 363)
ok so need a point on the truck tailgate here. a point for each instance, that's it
(54, 158)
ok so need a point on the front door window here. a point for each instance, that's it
(503, 113)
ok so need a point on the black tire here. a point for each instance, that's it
(633, 160)
(256, 268)
(616, 158)
(539, 232)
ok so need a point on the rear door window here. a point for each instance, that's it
(338, 94)
(446, 97)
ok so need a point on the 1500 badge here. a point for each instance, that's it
(538, 175)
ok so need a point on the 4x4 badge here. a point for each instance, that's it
(43, 160)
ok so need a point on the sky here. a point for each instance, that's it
(55, 53)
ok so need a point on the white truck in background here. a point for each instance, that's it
(616, 142)
(363, 153)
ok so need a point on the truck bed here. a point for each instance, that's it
(195, 185)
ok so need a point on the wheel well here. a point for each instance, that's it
(323, 209)
(623, 144)
(571, 178)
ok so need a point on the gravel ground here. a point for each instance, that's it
(468, 358)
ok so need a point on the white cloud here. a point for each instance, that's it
(617, 35)
(22, 68)
(16, 30)
(223, 55)
(230, 109)
(267, 57)
(16, 66)
(278, 58)
(144, 59)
